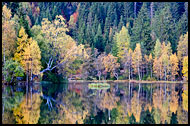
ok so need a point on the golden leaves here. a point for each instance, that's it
(8, 33)
(173, 66)
(21, 42)
(185, 67)
(6, 13)
(28, 112)
(185, 99)
(32, 57)
(137, 58)
(182, 49)
(122, 41)
(110, 63)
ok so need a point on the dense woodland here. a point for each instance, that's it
(94, 40)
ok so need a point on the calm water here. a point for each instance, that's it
(75, 103)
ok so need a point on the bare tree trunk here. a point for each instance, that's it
(31, 94)
(27, 93)
(116, 75)
(109, 114)
(151, 71)
(165, 73)
(160, 91)
(139, 90)
(129, 89)
(139, 73)
(146, 70)
(135, 9)
(165, 92)
(27, 79)
(99, 75)
(151, 11)
(31, 72)
(151, 95)
(4, 54)
(160, 73)
(4, 59)
(129, 72)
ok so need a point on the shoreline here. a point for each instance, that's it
(124, 81)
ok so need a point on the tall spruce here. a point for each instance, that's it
(141, 31)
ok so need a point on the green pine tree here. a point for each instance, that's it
(141, 31)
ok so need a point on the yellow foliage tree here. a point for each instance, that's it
(173, 66)
(31, 58)
(110, 63)
(185, 67)
(182, 50)
(157, 49)
(127, 61)
(165, 54)
(122, 41)
(137, 59)
(22, 41)
(63, 49)
(8, 34)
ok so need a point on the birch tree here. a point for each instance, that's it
(8, 34)
(137, 60)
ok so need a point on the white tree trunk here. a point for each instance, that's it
(109, 114)
(139, 73)
(129, 73)
(135, 9)
(151, 11)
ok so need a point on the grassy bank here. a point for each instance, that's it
(125, 81)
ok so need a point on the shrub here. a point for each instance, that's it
(12, 70)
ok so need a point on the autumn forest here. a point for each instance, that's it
(95, 41)
(63, 42)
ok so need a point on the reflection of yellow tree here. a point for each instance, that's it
(72, 115)
(8, 118)
(174, 100)
(148, 106)
(185, 99)
(28, 113)
(136, 107)
(72, 112)
(158, 99)
(182, 117)
(165, 113)
(109, 101)
(161, 106)
(122, 118)
(156, 115)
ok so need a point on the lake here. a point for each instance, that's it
(121, 103)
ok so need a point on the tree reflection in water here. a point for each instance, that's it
(76, 103)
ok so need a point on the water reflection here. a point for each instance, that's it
(75, 103)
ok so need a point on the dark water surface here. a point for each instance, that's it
(122, 103)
